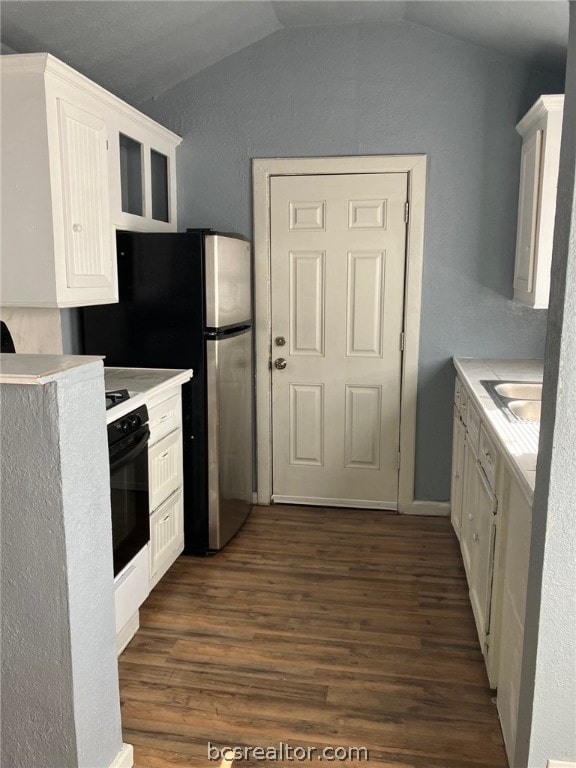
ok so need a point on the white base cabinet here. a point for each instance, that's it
(492, 519)
(514, 591)
(475, 513)
(165, 483)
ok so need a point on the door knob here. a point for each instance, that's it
(280, 341)
(280, 363)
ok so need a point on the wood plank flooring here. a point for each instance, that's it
(317, 628)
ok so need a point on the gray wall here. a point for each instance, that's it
(382, 89)
(547, 714)
(60, 700)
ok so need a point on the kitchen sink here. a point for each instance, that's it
(528, 410)
(519, 390)
(519, 400)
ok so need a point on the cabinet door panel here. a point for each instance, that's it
(483, 539)
(517, 554)
(166, 536)
(86, 207)
(469, 503)
(457, 474)
(528, 213)
(165, 467)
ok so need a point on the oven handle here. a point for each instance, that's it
(132, 452)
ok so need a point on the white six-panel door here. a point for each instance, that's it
(338, 252)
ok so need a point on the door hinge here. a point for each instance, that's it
(495, 505)
(406, 212)
(402, 339)
(398, 462)
(107, 146)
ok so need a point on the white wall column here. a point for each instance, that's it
(60, 698)
(547, 712)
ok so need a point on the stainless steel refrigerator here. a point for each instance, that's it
(186, 302)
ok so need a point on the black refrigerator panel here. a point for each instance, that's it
(195, 466)
(159, 319)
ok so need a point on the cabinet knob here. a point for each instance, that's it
(476, 537)
(77, 227)
(470, 516)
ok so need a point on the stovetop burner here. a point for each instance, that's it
(116, 396)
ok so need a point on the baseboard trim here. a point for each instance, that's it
(559, 764)
(124, 758)
(427, 508)
(346, 503)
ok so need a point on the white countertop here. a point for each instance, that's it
(518, 440)
(146, 382)
(39, 369)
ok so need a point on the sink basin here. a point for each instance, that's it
(529, 410)
(519, 390)
(519, 400)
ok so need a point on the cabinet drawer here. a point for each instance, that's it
(487, 455)
(166, 536)
(473, 426)
(165, 468)
(164, 416)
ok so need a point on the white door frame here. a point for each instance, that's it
(262, 170)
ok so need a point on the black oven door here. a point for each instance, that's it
(129, 497)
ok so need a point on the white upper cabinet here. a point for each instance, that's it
(143, 174)
(70, 178)
(541, 130)
(85, 205)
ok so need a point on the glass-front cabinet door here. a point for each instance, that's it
(143, 161)
(160, 186)
(131, 176)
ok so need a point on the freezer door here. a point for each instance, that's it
(229, 402)
(227, 271)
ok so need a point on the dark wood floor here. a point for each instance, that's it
(314, 627)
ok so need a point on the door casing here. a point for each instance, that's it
(262, 170)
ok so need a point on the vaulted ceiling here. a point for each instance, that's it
(141, 48)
